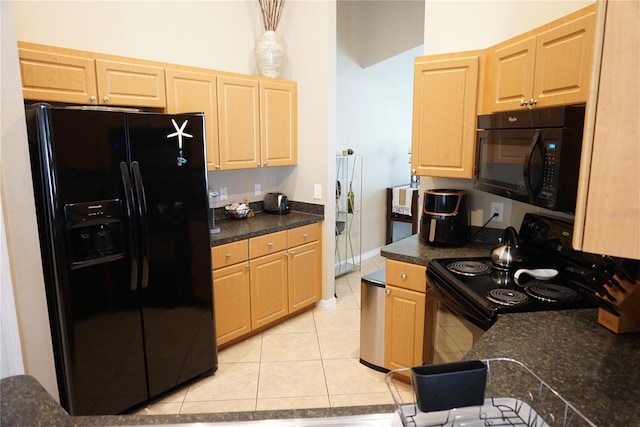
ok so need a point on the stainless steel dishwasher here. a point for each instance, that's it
(372, 297)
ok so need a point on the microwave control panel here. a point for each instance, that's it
(549, 169)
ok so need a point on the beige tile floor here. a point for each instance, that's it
(309, 361)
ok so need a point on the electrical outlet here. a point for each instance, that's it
(223, 193)
(257, 190)
(317, 191)
(497, 208)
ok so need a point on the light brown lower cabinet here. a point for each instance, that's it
(409, 316)
(269, 297)
(404, 327)
(260, 281)
(232, 297)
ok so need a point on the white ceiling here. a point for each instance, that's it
(374, 30)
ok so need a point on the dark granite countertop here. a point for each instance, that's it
(597, 371)
(413, 251)
(26, 403)
(261, 223)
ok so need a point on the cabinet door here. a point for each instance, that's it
(444, 116)
(129, 84)
(269, 300)
(608, 211)
(50, 76)
(232, 302)
(238, 122)
(404, 328)
(278, 123)
(510, 74)
(189, 91)
(305, 277)
(564, 57)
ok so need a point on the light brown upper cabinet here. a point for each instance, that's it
(550, 65)
(607, 219)
(257, 121)
(56, 74)
(196, 91)
(278, 122)
(239, 122)
(445, 96)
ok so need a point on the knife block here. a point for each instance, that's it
(627, 304)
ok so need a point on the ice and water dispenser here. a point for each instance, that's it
(94, 231)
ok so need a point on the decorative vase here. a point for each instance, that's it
(269, 53)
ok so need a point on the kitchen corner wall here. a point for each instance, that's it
(218, 35)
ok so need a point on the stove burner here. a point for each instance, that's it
(469, 268)
(551, 293)
(507, 297)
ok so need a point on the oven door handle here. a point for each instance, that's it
(535, 141)
(461, 309)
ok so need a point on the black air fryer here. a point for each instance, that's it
(445, 218)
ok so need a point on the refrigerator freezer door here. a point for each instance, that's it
(169, 174)
(94, 316)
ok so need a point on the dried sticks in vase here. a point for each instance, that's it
(271, 12)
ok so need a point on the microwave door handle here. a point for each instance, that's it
(527, 165)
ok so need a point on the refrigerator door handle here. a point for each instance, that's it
(133, 242)
(143, 218)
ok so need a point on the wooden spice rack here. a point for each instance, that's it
(627, 304)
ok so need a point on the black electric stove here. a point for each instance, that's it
(476, 290)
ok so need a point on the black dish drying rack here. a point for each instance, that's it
(491, 392)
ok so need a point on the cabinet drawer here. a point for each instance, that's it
(407, 276)
(229, 253)
(301, 235)
(267, 244)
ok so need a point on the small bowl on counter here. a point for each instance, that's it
(238, 210)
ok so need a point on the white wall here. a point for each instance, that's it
(459, 25)
(374, 111)
(21, 268)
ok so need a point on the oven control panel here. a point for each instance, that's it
(546, 231)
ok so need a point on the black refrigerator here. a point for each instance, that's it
(122, 209)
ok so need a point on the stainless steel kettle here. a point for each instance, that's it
(507, 255)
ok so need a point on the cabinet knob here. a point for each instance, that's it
(292, 253)
(105, 99)
(92, 98)
(270, 244)
(305, 235)
(246, 266)
(228, 255)
(388, 291)
(264, 164)
(533, 101)
(403, 277)
(523, 102)
(218, 167)
(259, 165)
(413, 171)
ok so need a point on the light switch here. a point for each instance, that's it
(317, 191)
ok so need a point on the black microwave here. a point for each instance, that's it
(531, 155)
